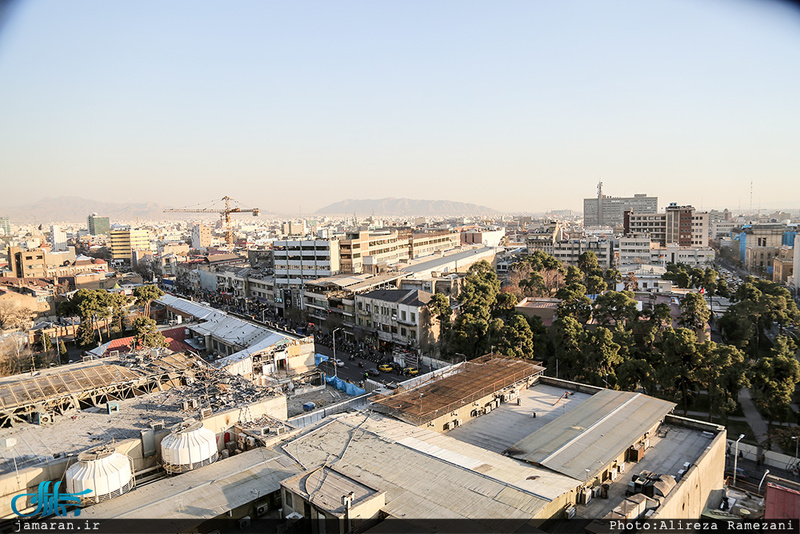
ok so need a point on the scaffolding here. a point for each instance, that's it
(472, 381)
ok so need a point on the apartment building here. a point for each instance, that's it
(760, 243)
(368, 251)
(681, 225)
(569, 250)
(58, 238)
(640, 250)
(397, 317)
(783, 265)
(124, 242)
(298, 261)
(201, 236)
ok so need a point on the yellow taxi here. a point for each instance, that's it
(385, 368)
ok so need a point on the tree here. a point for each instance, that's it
(573, 275)
(13, 317)
(569, 337)
(505, 302)
(635, 374)
(89, 305)
(631, 282)
(516, 338)
(600, 358)
(63, 355)
(440, 308)
(595, 285)
(723, 372)
(612, 277)
(775, 377)
(616, 307)
(587, 263)
(681, 361)
(45, 342)
(145, 295)
(694, 312)
(146, 334)
(574, 303)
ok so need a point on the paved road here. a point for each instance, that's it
(351, 369)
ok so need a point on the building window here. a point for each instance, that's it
(413, 317)
(288, 500)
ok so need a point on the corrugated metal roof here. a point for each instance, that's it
(417, 485)
(593, 434)
(203, 493)
(188, 307)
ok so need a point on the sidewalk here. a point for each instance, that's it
(753, 416)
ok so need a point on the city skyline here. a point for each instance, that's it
(518, 107)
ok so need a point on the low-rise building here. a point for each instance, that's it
(397, 318)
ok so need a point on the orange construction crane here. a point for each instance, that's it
(225, 213)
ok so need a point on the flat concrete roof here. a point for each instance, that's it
(670, 448)
(509, 423)
(203, 493)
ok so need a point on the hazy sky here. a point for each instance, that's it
(517, 105)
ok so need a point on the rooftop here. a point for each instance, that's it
(433, 488)
(593, 434)
(442, 261)
(202, 493)
(509, 423)
(469, 381)
(325, 487)
(409, 297)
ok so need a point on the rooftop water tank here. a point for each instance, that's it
(189, 446)
(103, 470)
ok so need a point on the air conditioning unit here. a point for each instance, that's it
(488, 409)
(251, 441)
(262, 509)
(446, 426)
(42, 418)
(459, 422)
(244, 522)
(206, 413)
(157, 425)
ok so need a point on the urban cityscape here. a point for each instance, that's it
(396, 318)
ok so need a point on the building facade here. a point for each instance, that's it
(608, 211)
(98, 225)
(681, 225)
(299, 261)
(201, 236)
(124, 242)
(397, 317)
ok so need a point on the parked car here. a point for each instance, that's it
(411, 371)
(386, 367)
(373, 372)
(339, 363)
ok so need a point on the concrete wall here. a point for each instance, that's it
(698, 486)
(566, 384)
(770, 458)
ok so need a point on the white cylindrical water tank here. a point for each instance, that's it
(104, 471)
(189, 446)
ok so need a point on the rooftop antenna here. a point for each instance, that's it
(751, 196)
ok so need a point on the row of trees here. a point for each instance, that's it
(97, 308)
(601, 338)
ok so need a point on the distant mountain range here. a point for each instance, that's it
(403, 207)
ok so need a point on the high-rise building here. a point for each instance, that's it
(58, 238)
(124, 242)
(201, 236)
(680, 225)
(5, 225)
(608, 211)
(98, 225)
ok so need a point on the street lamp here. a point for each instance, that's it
(736, 459)
(796, 443)
(333, 335)
(762, 481)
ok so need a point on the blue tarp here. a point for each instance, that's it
(350, 389)
(320, 358)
